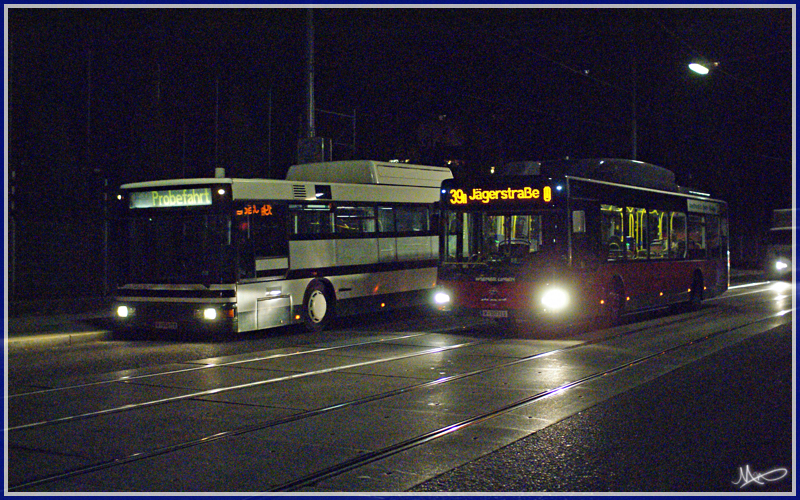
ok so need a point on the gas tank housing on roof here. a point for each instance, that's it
(369, 172)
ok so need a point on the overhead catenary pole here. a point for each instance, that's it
(310, 126)
(634, 125)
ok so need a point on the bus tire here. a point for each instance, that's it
(318, 306)
(696, 294)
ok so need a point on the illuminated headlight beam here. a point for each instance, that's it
(555, 299)
(441, 298)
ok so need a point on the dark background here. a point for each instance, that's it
(101, 97)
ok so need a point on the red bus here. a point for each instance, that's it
(578, 239)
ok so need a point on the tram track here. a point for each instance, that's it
(368, 458)
(144, 454)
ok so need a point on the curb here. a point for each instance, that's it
(55, 339)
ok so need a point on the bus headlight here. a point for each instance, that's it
(441, 298)
(123, 311)
(555, 299)
(210, 313)
(780, 265)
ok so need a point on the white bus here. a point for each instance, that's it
(236, 255)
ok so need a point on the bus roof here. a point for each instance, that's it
(369, 172)
(620, 171)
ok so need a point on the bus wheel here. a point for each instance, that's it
(317, 307)
(696, 295)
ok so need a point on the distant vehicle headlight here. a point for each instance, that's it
(210, 313)
(555, 299)
(441, 298)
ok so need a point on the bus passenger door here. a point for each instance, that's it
(585, 235)
(585, 250)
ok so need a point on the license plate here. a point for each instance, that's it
(494, 314)
(166, 325)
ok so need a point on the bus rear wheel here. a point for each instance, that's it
(318, 305)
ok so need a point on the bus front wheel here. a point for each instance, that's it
(318, 305)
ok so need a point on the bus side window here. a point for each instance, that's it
(386, 220)
(713, 236)
(657, 222)
(311, 220)
(412, 219)
(355, 220)
(677, 235)
(697, 237)
(611, 236)
(636, 234)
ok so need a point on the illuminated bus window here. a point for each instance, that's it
(635, 233)
(355, 220)
(659, 234)
(677, 235)
(697, 242)
(311, 220)
(612, 237)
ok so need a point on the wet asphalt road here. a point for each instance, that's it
(695, 429)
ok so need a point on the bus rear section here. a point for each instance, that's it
(555, 247)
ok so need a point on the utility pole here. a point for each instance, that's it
(634, 125)
(310, 126)
(311, 148)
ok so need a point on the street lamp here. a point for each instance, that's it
(702, 68)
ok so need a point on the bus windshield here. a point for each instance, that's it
(179, 248)
(490, 237)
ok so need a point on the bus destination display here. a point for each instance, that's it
(194, 197)
(487, 196)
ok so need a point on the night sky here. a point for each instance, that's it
(135, 94)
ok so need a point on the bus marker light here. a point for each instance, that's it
(383, 304)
